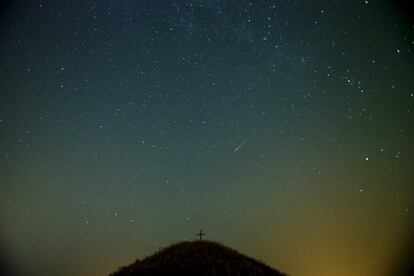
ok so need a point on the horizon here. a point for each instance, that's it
(197, 257)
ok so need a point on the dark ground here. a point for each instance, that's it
(197, 258)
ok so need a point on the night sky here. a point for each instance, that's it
(283, 129)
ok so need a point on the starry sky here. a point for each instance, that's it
(283, 129)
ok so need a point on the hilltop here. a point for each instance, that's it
(197, 258)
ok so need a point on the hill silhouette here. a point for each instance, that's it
(197, 258)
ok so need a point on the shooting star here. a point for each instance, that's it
(241, 145)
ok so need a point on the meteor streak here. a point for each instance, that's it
(242, 144)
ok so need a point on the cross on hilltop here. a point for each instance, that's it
(201, 234)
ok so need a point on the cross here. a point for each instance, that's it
(201, 234)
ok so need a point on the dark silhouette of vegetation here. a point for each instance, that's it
(197, 258)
